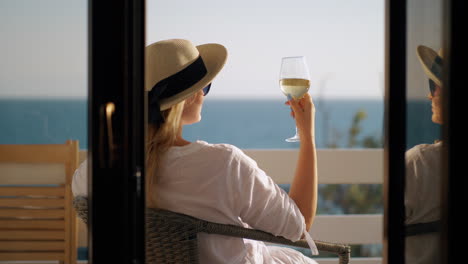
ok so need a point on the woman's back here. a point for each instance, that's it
(219, 183)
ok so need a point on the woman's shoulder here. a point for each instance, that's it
(424, 151)
(80, 180)
(228, 151)
(222, 148)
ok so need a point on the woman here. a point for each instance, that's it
(218, 182)
(423, 170)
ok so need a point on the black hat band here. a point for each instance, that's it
(173, 85)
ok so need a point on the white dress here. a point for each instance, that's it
(219, 183)
(422, 201)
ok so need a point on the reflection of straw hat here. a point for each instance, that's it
(175, 69)
(431, 63)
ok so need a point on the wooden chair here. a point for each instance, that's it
(37, 219)
(172, 237)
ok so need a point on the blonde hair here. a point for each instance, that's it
(159, 140)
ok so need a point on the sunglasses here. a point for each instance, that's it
(436, 69)
(206, 89)
(432, 87)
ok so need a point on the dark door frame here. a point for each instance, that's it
(395, 131)
(116, 131)
(454, 180)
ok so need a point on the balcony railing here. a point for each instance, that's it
(335, 166)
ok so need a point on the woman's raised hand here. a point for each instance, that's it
(303, 111)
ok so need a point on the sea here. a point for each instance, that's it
(248, 124)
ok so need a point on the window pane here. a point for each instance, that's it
(344, 47)
(43, 96)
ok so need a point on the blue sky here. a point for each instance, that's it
(44, 44)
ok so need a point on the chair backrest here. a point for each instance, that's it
(170, 237)
(422, 228)
(37, 219)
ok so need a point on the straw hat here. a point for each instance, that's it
(175, 69)
(431, 63)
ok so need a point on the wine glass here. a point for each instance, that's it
(294, 81)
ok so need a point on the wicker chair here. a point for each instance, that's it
(172, 237)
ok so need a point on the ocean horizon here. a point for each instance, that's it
(248, 124)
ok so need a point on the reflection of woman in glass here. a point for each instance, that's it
(218, 182)
(423, 170)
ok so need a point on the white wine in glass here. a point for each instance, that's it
(295, 87)
(294, 81)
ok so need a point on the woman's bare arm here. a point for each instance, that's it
(304, 186)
